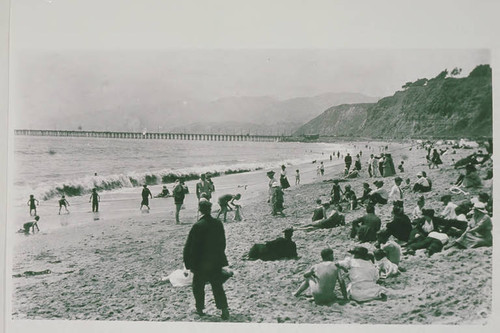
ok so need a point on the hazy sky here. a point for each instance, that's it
(106, 53)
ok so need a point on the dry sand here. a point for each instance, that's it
(113, 269)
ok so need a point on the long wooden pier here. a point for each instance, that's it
(157, 136)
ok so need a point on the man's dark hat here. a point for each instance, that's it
(270, 173)
(359, 250)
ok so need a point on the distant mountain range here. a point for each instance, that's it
(250, 115)
(444, 106)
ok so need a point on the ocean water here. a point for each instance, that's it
(51, 166)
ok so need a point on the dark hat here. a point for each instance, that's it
(378, 182)
(270, 173)
(204, 206)
(398, 179)
(446, 197)
(359, 250)
(428, 212)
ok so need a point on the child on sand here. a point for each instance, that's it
(62, 203)
(297, 177)
(31, 225)
(31, 203)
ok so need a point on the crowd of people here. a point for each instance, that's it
(465, 224)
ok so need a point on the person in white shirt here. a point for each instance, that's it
(448, 212)
(417, 211)
(422, 184)
(396, 193)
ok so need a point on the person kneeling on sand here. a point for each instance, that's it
(280, 248)
(31, 225)
(321, 280)
(363, 276)
(336, 219)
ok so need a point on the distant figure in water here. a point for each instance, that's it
(95, 198)
(146, 194)
(31, 203)
(297, 177)
(31, 225)
(62, 203)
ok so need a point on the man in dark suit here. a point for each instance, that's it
(204, 255)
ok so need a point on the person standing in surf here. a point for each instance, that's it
(283, 179)
(146, 194)
(62, 203)
(95, 198)
(31, 203)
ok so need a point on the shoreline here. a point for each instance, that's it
(113, 270)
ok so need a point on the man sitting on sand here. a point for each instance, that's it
(379, 195)
(164, 192)
(280, 248)
(321, 280)
(225, 203)
(366, 227)
(400, 226)
(31, 225)
(363, 276)
(336, 219)
(350, 197)
(422, 184)
(319, 212)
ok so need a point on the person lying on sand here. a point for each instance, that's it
(363, 276)
(280, 248)
(321, 279)
(31, 225)
(433, 243)
(336, 219)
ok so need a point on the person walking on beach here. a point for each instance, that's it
(277, 200)
(321, 280)
(95, 198)
(146, 193)
(204, 186)
(297, 177)
(322, 168)
(179, 193)
(204, 255)
(272, 180)
(336, 192)
(63, 203)
(283, 179)
(348, 161)
(31, 203)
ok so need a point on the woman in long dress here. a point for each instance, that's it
(478, 233)
(283, 179)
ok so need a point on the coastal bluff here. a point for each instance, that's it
(444, 106)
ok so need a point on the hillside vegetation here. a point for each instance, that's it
(444, 106)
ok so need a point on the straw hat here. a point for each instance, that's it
(481, 207)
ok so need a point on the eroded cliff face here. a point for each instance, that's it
(439, 107)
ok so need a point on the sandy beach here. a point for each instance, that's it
(114, 268)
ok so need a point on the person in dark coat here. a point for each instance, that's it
(204, 255)
(279, 248)
(367, 226)
(348, 161)
(400, 227)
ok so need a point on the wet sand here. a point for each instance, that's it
(112, 268)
